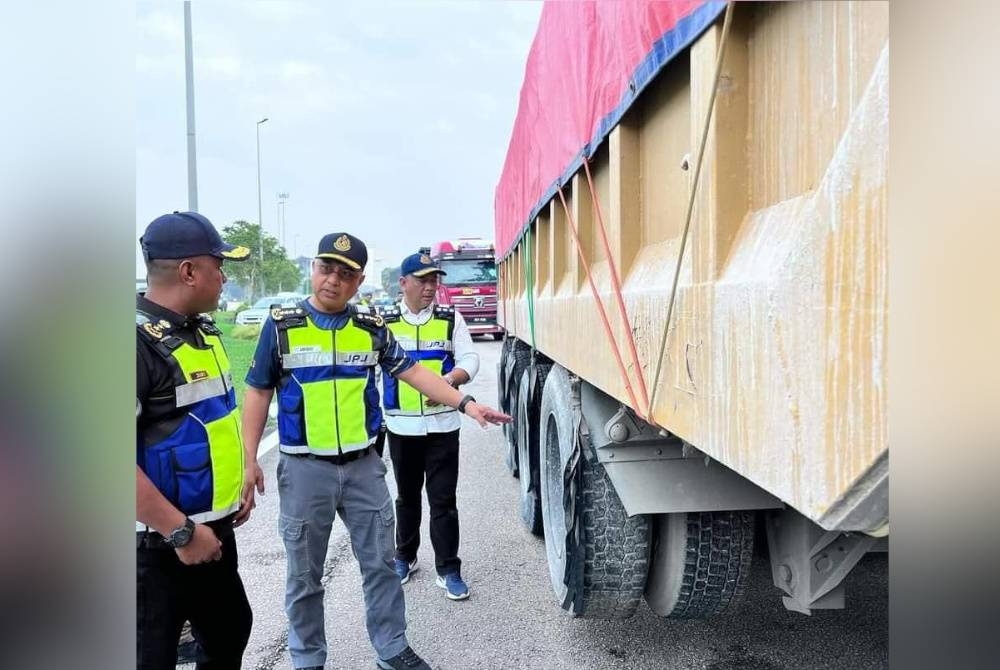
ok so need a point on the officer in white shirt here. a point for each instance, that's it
(422, 435)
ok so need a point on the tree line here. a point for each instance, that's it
(276, 272)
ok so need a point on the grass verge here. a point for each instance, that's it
(240, 351)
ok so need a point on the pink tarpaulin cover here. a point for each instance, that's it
(587, 64)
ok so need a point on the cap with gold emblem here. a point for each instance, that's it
(186, 235)
(345, 248)
(419, 265)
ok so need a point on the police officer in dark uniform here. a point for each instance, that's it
(189, 455)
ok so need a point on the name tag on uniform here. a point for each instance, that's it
(306, 349)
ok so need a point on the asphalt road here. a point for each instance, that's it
(511, 620)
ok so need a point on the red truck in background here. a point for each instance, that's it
(471, 282)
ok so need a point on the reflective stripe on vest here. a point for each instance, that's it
(327, 391)
(199, 466)
(432, 347)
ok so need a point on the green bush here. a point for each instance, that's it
(246, 332)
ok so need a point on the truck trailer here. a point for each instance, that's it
(691, 242)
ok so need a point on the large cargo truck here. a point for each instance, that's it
(471, 282)
(691, 234)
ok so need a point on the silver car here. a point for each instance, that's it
(256, 314)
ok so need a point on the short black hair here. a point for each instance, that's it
(158, 268)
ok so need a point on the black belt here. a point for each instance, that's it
(339, 459)
(150, 539)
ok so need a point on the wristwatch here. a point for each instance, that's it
(181, 535)
(465, 401)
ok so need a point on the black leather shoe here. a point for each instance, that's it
(405, 660)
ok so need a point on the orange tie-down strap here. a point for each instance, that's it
(626, 378)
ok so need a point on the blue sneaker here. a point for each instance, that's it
(453, 586)
(404, 569)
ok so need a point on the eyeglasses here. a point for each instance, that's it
(346, 274)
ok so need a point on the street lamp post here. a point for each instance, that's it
(282, 199)
(260, 216)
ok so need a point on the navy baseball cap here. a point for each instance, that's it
(344, 248)
(185, 235)
(419, 265)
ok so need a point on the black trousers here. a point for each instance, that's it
(209, 595)
(434, 456)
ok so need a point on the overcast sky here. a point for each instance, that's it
(387, 120)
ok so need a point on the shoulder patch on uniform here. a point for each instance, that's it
(208, 327)
(368, 320)
(390, 314)
(278, 313)
(157, 330)
(444, 311)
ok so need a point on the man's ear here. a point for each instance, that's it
(361, 280)
(185, 270)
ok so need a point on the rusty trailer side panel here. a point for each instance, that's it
(775, 361)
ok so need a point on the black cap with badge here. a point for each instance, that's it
(420, 265)
(344, 248)
(186, 235)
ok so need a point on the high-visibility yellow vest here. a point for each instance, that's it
(432, 346)
(328, 402)
(195, 457)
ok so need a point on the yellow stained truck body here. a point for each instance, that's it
(775, 363)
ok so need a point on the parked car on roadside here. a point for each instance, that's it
(256, 314)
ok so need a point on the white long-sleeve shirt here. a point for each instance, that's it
(466, 358)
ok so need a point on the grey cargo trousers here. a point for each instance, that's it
(311, 492)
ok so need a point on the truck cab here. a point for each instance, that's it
(471, 283)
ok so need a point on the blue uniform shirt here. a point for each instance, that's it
(265, 369)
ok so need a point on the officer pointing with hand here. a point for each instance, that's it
(189, 455)
(321, 356)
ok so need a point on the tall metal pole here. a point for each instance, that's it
(189, 77)
(260, 213)
(282, 199)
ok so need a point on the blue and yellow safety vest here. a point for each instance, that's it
(432, 345)
(195, 457)
(328, 402)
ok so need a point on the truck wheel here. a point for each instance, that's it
(598, 556)
(517, 363)
(501, 381)
(527, 447)
(700, 563)
(497, 336)
(503, 388)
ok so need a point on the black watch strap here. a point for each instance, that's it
(465, 401)
(182, 535)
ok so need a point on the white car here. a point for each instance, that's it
(258, 313)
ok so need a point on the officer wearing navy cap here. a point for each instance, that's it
(189, 455)
(321, 356)
(423, 436)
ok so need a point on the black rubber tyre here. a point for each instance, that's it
(526, 419)
(598, 556)
(501, 380)
(517, 363)
(497, 336)
(700, 563)
(504, 391)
